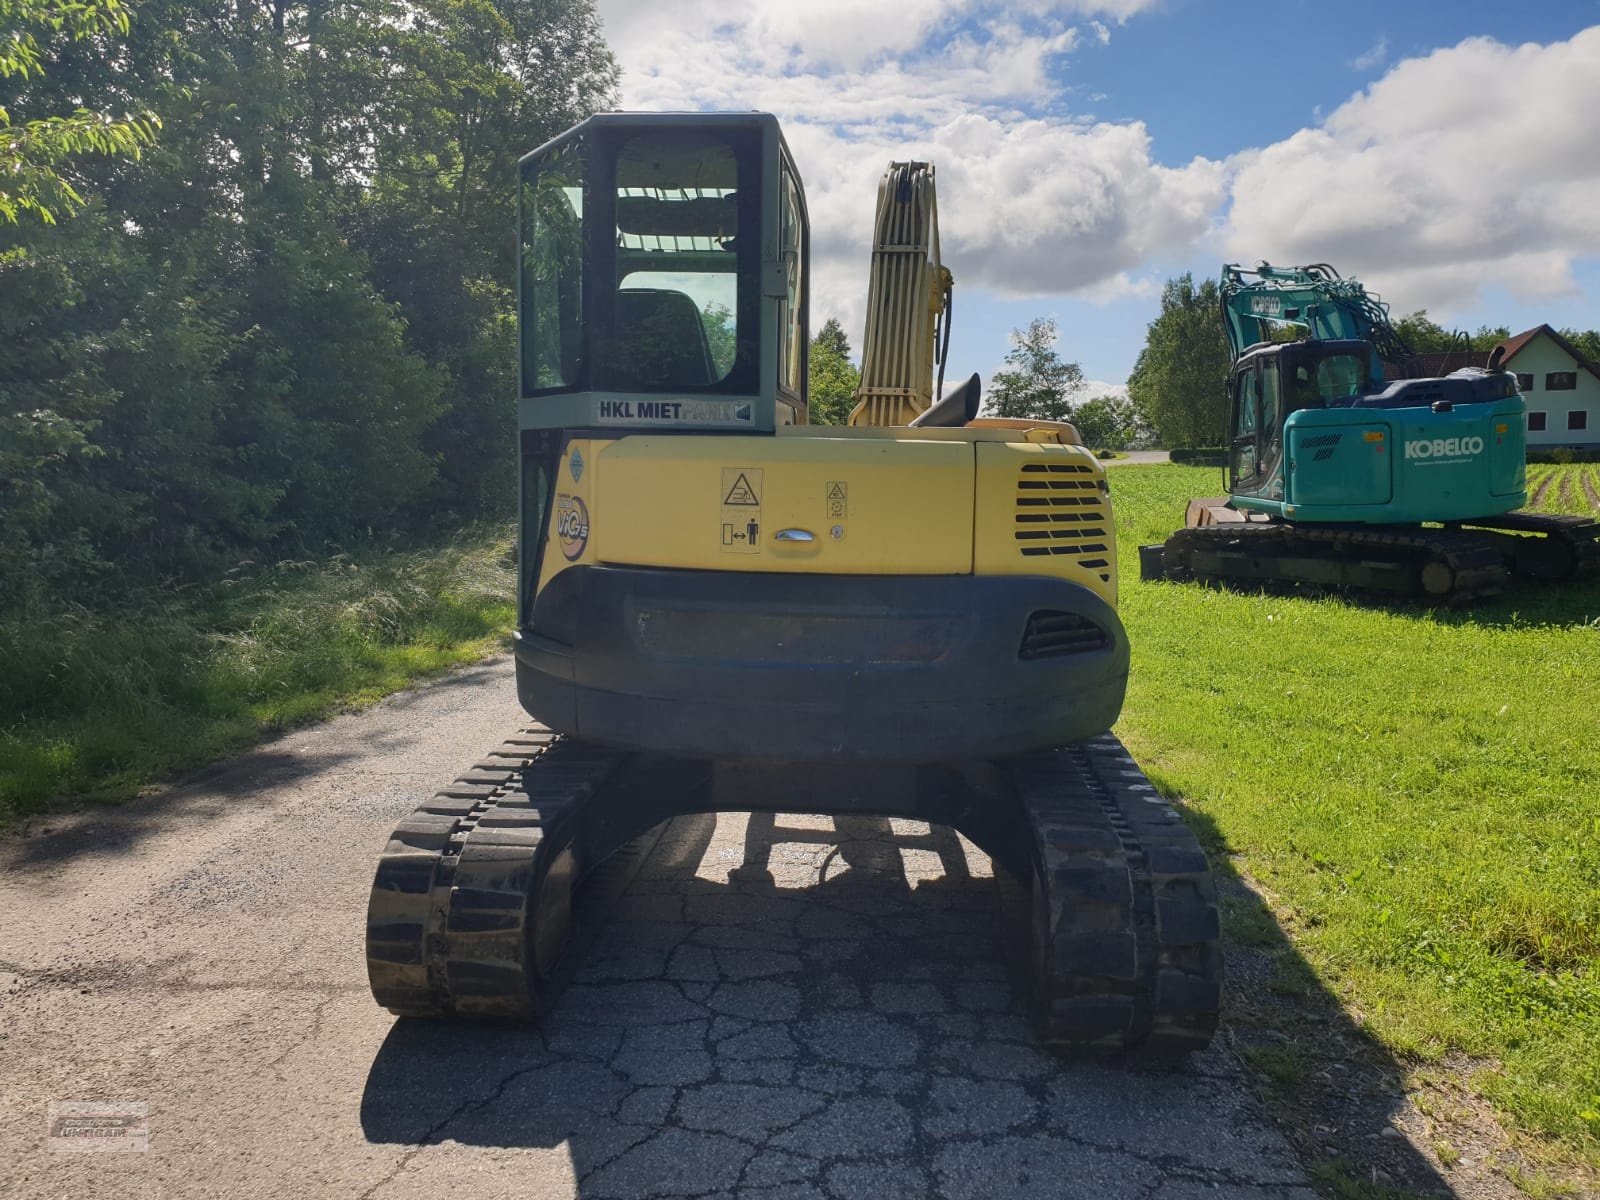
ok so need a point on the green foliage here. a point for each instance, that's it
(1417, 791)
(288, 326)
(1572, 488)
(1585, 341)
(1036, 382)
(721, 336)
(832, 377)
(1200, 456)
(1109, 422)
(100, 704)
(1424, 336)
(34, 154)
(1179, 382)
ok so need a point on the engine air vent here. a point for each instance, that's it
(1052, 634)
(1062, 511)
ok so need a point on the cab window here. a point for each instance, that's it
(1270, 403)
(1244, 400)
(791, 333)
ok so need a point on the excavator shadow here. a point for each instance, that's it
(824, 1006)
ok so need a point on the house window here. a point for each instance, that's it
(1578, 418)
(1536, 422)
(1524, 382)
(1561, 381)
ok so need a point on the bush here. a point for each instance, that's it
(1200, 456)
(1562, 455)
(97, 704)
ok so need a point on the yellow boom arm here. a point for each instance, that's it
(907, 298)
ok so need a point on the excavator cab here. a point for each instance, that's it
(1272, 382)
(663, 276)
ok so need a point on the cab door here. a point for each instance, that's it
(1269, 430)
(1244, 425)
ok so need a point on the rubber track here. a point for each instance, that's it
(448, 919)
(1126, 939)
(1475, 563)
(1580, 534)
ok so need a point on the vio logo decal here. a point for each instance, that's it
(572, 525)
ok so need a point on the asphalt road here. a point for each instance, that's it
(773, 1009)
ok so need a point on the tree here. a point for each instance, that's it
(1109, 423)
(34, 154)
(288, 324)
(831, 376)
(1585, 341)
(1425, 336)
(1036, 382)
(1179, 383)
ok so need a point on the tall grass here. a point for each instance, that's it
(96, 704)
(1419, 790)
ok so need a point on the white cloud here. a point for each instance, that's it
(1093, 388)
(1472, 166)
(1375, 57)
(1029, 204)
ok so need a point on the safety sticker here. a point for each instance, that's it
(838, 496)
(572, 525)
(741, 510)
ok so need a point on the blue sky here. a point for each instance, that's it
(1089, 149)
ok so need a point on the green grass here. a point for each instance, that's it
(1419, 791)
(1571, 488)
(96, 705)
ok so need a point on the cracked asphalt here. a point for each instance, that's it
(785, 1007)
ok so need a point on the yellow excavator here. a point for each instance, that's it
(723, 607)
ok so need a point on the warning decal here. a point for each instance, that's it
(741, 492)
(838, 499)
(741, 510)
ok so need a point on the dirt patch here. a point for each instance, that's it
(1567, 495)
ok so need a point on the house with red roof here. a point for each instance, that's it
(1561, 386)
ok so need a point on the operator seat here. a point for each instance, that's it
(658, 341)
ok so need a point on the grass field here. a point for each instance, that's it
(1418, 791)
(1573, 488)
(97, 705)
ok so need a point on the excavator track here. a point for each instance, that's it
(1436, 566)
(472, 899)
(1125, 940)
(1548, 546)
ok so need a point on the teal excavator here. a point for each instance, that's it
(1340, 478)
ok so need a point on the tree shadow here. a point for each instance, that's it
(829, 1007)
